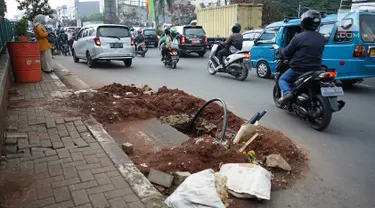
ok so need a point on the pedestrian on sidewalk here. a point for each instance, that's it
(41, 35)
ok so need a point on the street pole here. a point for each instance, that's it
(299, 10)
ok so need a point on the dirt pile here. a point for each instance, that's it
(115, 103)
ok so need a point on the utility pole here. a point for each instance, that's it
(299, 10)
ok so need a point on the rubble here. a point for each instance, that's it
(128, 148)
(220, 184)
(179, 177)
(160, 178)
(275, 160)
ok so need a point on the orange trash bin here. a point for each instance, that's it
(26, 63)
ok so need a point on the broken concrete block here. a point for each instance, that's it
(128, 148)
(275, 160)
(11, 149)
(16, 135)
(10, 141)
(12, 129)
(160, 178)
(179, 177)
(56, 94)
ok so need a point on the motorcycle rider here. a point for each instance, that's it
(232, 44)
(138, 39)
(165, 42)
(304, 51)
(62, 39)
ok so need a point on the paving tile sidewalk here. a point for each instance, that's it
(54, 161)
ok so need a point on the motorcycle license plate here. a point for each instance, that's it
(151, 43)
(174, 57)
(116, 45)
(332, 91)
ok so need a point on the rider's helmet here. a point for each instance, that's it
(173, 32)
(310, 20)
(139, 31)
(167, 31)
(236, 28)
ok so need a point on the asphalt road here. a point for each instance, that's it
(342, 168)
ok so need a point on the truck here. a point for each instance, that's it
(217, 21)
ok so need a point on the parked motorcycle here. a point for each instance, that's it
(233, 64)
(141, 49)
(171, 58)
(316, 95)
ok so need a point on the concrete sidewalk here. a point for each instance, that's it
(53, 160)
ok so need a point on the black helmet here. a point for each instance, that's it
(236, 28)
(310, 20)
(167, 31)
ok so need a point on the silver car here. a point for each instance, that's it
(248, 39)
(104, 42)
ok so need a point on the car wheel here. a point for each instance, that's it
(201, 54)
(156, 45)
(75, 59)
(128, 62)
(90, 62)
(263, 69)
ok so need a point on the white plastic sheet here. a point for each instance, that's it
(197, 191)
(245, 180)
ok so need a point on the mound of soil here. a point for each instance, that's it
(116, 103)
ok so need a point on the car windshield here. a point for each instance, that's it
(248, 36)
(194, 32)
(367, 24)
(149, 32)
(113, 31)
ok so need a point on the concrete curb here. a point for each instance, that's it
(143, 188)
(69, 78)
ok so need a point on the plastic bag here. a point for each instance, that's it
(246, 180)
(174, 44)
(197, 191)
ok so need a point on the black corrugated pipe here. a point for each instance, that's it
(192, 125)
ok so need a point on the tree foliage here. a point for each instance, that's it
(129, 17)
(34, 7)
(96, 17)
(183, 14)
(3, 8)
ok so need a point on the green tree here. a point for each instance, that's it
(161, 7)
(3, 8)
(34, 7)
(183, 14)
(96, 17)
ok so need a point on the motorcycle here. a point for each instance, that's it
(316, 94)
(233, 64)
(171, 58)
(65, 49)
(141, 49)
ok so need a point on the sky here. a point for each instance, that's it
(12, 6)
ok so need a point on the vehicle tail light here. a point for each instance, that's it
(183, 40)
(328, 75)
(359, 51)
(205, 39)
(247, 56)
(173, 53)
(131, 41)
(97, 41)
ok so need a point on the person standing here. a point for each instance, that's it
(41, 35)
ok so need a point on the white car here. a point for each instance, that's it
(104, 42)
(248, 39)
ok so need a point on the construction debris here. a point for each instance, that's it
(275, 160)
(160, 178)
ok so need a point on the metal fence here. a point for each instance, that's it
(6, 34)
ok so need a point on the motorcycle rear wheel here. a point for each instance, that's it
(244, 73)
(211, 67)
(323, 119)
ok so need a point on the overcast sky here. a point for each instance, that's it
(12, 6)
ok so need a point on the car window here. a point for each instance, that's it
(269, 35)
(113, 31)
(91, 32)
(248, 36)
(256, 35)
(80, 34)
(367, 25)
(149, 32)
(194, 32)
(326, 30)
(344, 34)
(85, 33)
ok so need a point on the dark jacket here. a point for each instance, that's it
(139, 39)
(234, 40)
(305, 51)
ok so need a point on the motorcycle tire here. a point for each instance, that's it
(143, 54)
(174, 65)
(211, 67)
(326, 114)
(276, 96)
(244, 73)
